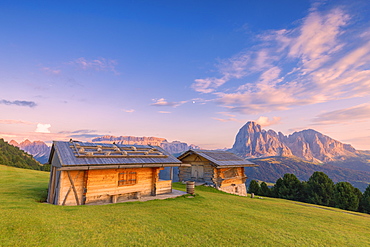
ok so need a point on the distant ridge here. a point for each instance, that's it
(38, 149)
(171, 147)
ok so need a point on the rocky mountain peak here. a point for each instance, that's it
(252, 127)
(309, 144)
(14, 143)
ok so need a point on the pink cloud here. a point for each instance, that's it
(350, 114)
(12, 121)
(265, 121)
(325, 67)
(164, 102)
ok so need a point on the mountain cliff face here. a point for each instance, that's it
(309, 145)
(252, 141)
(38, 149)
(171, 147)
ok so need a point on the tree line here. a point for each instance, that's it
(319, 189)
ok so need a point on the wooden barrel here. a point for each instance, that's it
(190, 187)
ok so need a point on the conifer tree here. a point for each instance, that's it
(264, 190)
(345, 196)
(365, 201)
(254, 187)
(289, 187)
(320, 189)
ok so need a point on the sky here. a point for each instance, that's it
(192, 71)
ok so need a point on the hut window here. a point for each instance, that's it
(127, 178)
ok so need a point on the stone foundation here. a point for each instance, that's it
(237, 189)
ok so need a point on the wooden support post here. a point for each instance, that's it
(171, 177)
(171, 173)
(86, 176)
(155, 171)
(52, 185)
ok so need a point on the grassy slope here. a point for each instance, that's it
(210, 219)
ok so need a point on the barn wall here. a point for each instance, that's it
(185, 173)
(67, 194)
(99, 186)
(231, 180)
(102, 184)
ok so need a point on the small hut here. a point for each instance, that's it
(93, 173)
(221, 169)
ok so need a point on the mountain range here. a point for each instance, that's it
(38, 149)
(300, 153)
(171, 147)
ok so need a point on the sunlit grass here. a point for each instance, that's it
(211, 218)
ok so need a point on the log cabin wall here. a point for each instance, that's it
(231, 180)
(100, 186)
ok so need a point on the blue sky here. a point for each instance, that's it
(193, 71)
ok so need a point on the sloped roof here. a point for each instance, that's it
(220, 159)
(102, 154)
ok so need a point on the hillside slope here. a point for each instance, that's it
(13, 156)
(182, 221)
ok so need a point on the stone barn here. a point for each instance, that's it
(93, 173)
(221, 169)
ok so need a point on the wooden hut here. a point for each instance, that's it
(92, 173)
(223, 170)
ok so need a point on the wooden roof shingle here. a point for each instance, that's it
(221, 159)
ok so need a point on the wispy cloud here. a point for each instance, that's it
(48, 70)
(84, 134)
(163, 102)
(129, 111)
(359, 142)
(164, 112)
(344, 115)
(12, 121)
(324, 58)
(18, 103)
(227, 119)
(100, 64)
(265, 121)
(82, 131)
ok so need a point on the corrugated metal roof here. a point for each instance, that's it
(219, 158)
(82, 153)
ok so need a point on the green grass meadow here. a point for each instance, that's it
(211, 218)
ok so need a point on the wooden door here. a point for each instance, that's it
(197, 172)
